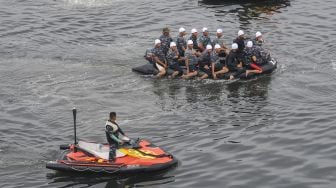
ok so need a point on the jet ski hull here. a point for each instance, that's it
(146, 159)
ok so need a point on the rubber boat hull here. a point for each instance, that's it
(269, 67)
(70, 161)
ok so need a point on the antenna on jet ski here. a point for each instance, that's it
(74, 112)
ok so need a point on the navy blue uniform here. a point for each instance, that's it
(165, 43)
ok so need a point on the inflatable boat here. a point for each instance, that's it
(268, 67)
(134, 157)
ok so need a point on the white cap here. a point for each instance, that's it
(181, 30)
(172, 44)
(219, 31)
(194, 30)
(217, 46)
(234, 46)
(258, 34)
(204, 29)
(190, 42)
(209, 47)
(240, 32)
(249, 44)
(157, 41)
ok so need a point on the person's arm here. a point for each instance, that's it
(157, 60)
(117, 140)
(121, 131)
(254, 59)
(110, 131)
(187, 64)
(213, 70)
(177, 53)
(201, 47)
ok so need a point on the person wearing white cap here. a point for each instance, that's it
(172, 58)
(240, 41)
(219, 59)
(206, 63)
(165, 39)
(194, 37)
(219, 39)
(191, 60)
(204, 40)
(259, 41)
(233, 62)
(159, 59)
(253, 58)
(181, 42)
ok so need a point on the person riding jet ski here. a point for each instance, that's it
(112, 131)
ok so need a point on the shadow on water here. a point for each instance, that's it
(245, 9)
(109, 181)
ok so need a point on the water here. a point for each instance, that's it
(277, 131)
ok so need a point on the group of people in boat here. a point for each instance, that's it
(206, 57)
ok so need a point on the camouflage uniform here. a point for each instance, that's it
(219, 59)
(204, 40)
(158, 52)
(194, 39)
(193, 60)
(257, 42)
(207, 59)
(181, 42)
(149, 55)
(165, 43)
(253, 51)
(172, 58)
(219, 41)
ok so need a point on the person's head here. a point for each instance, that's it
(241, 34)
(157, 43)
(249, 44)
(173, 45)
(182, 31)
(113, 116)
(190, 44)
(209, 48)
(258, 35)
(234, 47)
(194, 32)
(205, 31)
(165, 31)
(219, 33)
(217, 48)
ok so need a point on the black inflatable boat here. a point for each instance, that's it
(268, 67)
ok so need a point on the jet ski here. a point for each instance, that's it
(134, 157)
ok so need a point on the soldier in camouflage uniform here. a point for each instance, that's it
(181, 42)
(234, 63)
(207, 63)
(258, 41)
(204, 40)
(253, 58)
(165, 40)
(219, 59)
(159, 59)
(173, 57)
(191, 60)
(194, 38)
(219, 39)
